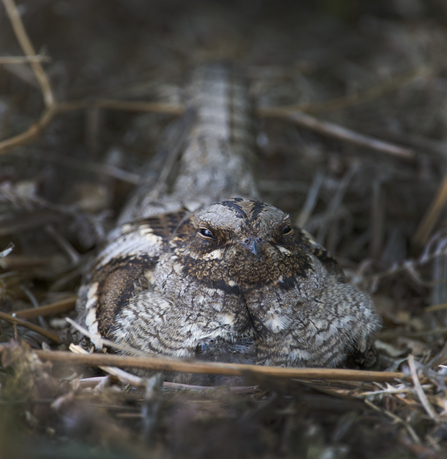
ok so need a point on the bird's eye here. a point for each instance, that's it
(287, 230)
(205, 232)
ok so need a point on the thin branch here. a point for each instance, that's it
(407, 265)
(419, 450)
(301, 119)
(171, 363)
(28, 49)
(161, 364)
(35, 304)
(8, 60)
(38, 127)
(298, 118)
(71, 253)
(377, 219)
(33, 132)
(390, 391)
(397, 419)
(421, 394)
(436, 307)
(334, 204)
(123, 376)
(311, 200)
(57, 307)
(137, 106)
(336, 131)
(93, 381)
(36, 328)
(431, 216)
(128, 378)
(231, 389)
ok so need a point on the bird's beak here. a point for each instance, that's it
(253, 244)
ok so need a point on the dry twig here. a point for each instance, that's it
(57, 307)
(409, 266)
(397, 419)
(436, 307)
(431, 216)
(8, 60)
(123, 376)
(28, 49)
(311, 200)
(417, 385)
(419, 450)
(231, 389)
(162, 364)
(32, 133)
(336, 132)
(137, 106)
(37, 128)
(24, 323)
(54, 108)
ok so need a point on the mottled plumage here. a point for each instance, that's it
(229, 281)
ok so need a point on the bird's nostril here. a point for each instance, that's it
(253, 244)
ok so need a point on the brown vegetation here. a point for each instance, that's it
(351, 101)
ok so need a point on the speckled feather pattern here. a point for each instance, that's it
(198, 274)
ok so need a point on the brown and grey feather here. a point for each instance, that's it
(197, 274)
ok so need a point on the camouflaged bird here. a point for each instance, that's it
(192, 273)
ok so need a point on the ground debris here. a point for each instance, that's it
(351, 136)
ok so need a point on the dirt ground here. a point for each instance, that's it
(355, 151)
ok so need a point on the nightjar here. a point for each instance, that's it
(191, 271)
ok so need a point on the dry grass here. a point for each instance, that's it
(352, 125)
